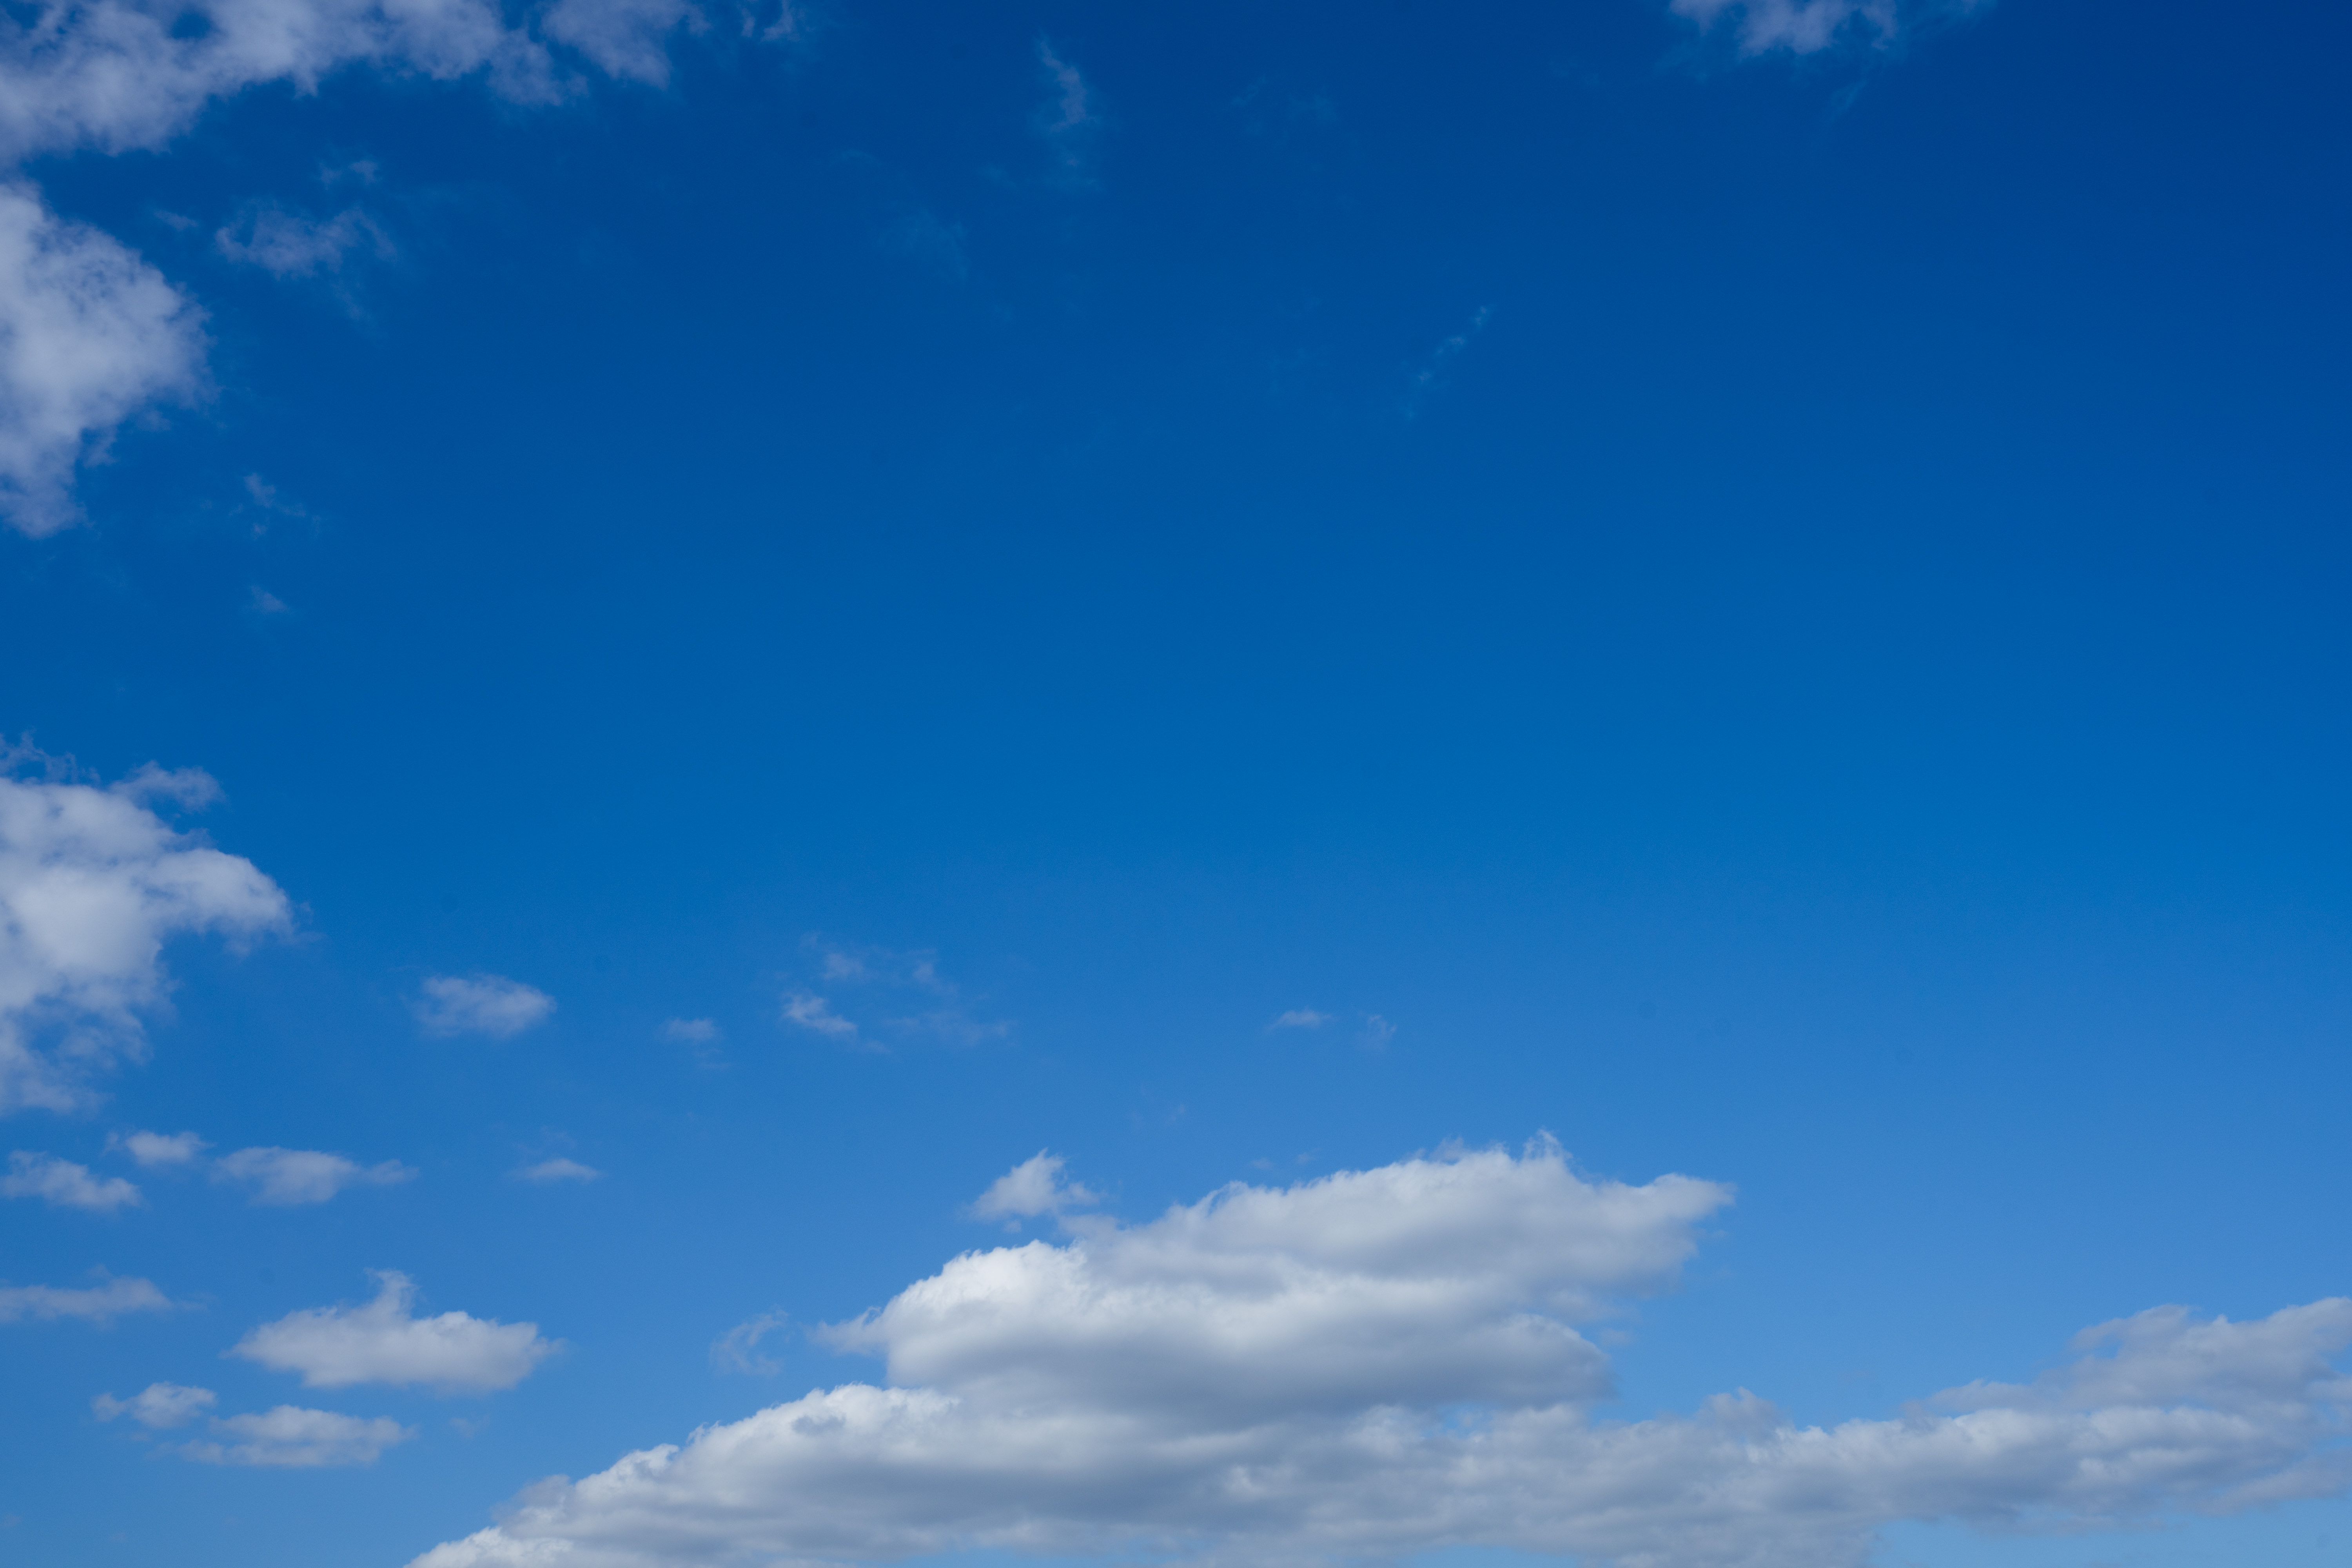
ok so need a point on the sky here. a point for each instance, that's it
(862, 781)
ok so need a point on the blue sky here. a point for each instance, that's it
(1449, 784)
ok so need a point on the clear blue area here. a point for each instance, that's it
(1780, 620)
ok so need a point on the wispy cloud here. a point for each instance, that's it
(1810, 26)
(63, 1184)
(158, 1406)
(480, 1004)
(1069, 123)
(815, 1014)
(548, 1172)
(290, 1437)
(738, 1350)
(288, 244)
(290, 1178)
(158, 1151)
(938, 1012)
(1300, 1019)
(90, 1304)
(1429, 375)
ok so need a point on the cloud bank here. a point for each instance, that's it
(1389, 1361)
(92, 883)
(383, 1342)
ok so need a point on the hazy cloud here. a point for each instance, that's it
(284, 1178)
(479, 1003)
(548, 1171)
(1300, 1019)
(738, 1350)
(292, 1438)
(63, 1184)
(158, 1406)
(153, 1151)
(90, 1304)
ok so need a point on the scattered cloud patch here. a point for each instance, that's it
(383, 1342)
(62, 1184)
(262, 602)
(738, 1350)
(1301, 1018)
(1377, 1033)
(290, 1437)
(1069, 122)
(90, 335)
(691, 1031)
(629, 38)
(158, 1406)
(1810, 26)
(287, 1178)
(90, 1304)
(1429, 378)
(1387, 1362)
(1031, 1188)
(158, 1151)
(92, 884)
(547, 1173)
(815, 1014)
(489, 1005)
(288, 244)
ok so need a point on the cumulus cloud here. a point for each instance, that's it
(288, 244)
(383, 1342)
(89, 335)
(1387, 1362)
(1033, 1187)
(292, 1438)
(153, 1150)
(63, 1184)
(1808, 27)
(90, 1304)
(92, 883)
(480, 1005)
(158, 1406)
(558, 1170)
(284, 1178)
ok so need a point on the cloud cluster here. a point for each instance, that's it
(928, 1003)
(92, 883)
(383, 1342)
(91, 334)
(1386, 1362)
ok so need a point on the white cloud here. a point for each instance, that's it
(286, 245)
(383, 1341)
(283, 1178)
(691, 1031)
(158, 1406)
(63, 1184)
(1033, 1187)
(1808, 27)
(294, 1438)
(480, 1005)
(1387, 1362)
(92, 883)
(153, 1150)
(629, 38)
(738, 1350)
(814, 1013)
(1301, 1018)
(91, 1304)
(89, 335)
(558, 1170)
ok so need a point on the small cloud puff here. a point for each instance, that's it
(283, 1178)
(158, 1406)
(155, 1150)
(63, 1184)
(548, 1171)
(1301, 1018)
(290, 1437)
(1031, 1188)
(383, 1342)
(479, 1003)
(98, 1304)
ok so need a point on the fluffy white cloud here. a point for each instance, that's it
(1387, 1362)
(294, 1438)
(489, 1005)
(283, 1178)
(92, 883)
(63, 1184)
(91, 1304)
(1033, 1187)
(558, 1170)
(383, 1342)
(1808, 27)
(158, 1406)
(89, 335)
